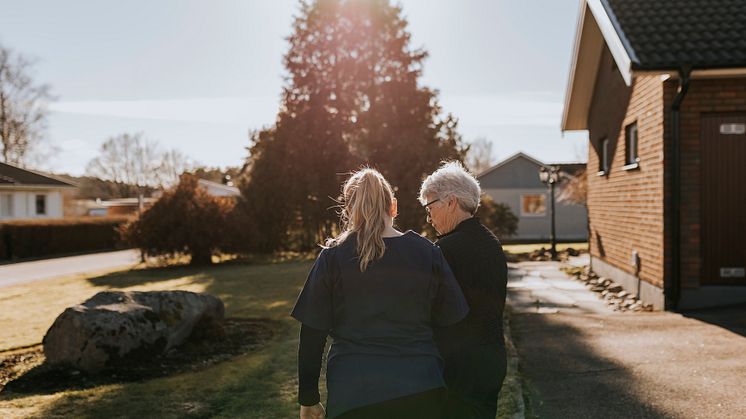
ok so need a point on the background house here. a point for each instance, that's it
(515, 183)
(28, 194)
(220, 189)
(661, 89)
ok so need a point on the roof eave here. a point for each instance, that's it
(594, 29)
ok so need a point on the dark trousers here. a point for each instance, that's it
(474, 377)
(428, 404)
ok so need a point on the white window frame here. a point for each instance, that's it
(529, 214)
(631, 147)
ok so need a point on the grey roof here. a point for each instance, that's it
(14, 175)
(666, 34)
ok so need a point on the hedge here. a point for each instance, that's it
(39, 238)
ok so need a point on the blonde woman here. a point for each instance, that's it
(377, 292)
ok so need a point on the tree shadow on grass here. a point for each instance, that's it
(566, 378)
(731, 318)
(142, 276)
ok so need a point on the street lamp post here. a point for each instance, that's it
(549, 175)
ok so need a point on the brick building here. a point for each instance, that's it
(660, 86)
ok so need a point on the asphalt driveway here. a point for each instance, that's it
(24, 272)
(582, 360)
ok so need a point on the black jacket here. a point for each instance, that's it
(477, 260)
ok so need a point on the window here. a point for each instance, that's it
(41, 204)
(533, 205)
(6, 205)
(603, 158)
(631, 158)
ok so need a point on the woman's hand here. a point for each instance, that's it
(312, 412)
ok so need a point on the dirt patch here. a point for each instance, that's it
(24, 370)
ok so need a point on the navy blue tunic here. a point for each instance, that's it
(381, 320)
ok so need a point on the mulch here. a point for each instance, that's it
(24, 370)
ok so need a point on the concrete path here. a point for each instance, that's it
(582, 360)
(23, 272)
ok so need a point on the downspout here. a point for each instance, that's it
(675, 278)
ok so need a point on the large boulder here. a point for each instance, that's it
(115, 326)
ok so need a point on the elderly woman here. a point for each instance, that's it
(473, 349)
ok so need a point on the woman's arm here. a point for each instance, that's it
(310, 353)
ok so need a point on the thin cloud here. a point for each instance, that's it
(521, 109)
(230, 110)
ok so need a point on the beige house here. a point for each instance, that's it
(27, 194)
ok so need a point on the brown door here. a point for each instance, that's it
(724, 199)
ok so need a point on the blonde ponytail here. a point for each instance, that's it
(367, 200)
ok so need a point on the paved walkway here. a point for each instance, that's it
(23, 272)
(582, 360)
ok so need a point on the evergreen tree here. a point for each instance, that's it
(351, 97)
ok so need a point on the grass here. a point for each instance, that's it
(528, 248)
(260, 384)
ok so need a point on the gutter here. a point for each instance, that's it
(674, 286)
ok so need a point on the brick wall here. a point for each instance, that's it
(719, 95)
(626, 207)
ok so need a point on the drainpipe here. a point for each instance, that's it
(674, 289)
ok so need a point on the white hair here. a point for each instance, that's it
(452, 179)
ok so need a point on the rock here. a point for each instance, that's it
(597, 288)
(636, 306)
(614, 288)
(593, 281)
(572, 252)
(115, 326)
(621, 294)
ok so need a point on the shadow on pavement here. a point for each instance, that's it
(731, 318)
(566, 378)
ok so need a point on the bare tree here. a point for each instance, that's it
(479, 156)
(173, 164)
(574, 188)
(22, 108)
(134, 163)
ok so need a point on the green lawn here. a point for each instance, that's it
(261, 384)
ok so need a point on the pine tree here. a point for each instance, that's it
(351, 97)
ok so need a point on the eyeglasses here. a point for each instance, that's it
(427, 206)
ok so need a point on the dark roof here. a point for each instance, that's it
(10, 174)
(667, 34)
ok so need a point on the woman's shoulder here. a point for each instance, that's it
(417, 239)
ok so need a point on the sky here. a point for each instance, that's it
(199, 75)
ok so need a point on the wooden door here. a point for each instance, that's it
(723, 192)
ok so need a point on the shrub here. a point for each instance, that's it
(497, 217)
(186, 220)
(47, 237)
